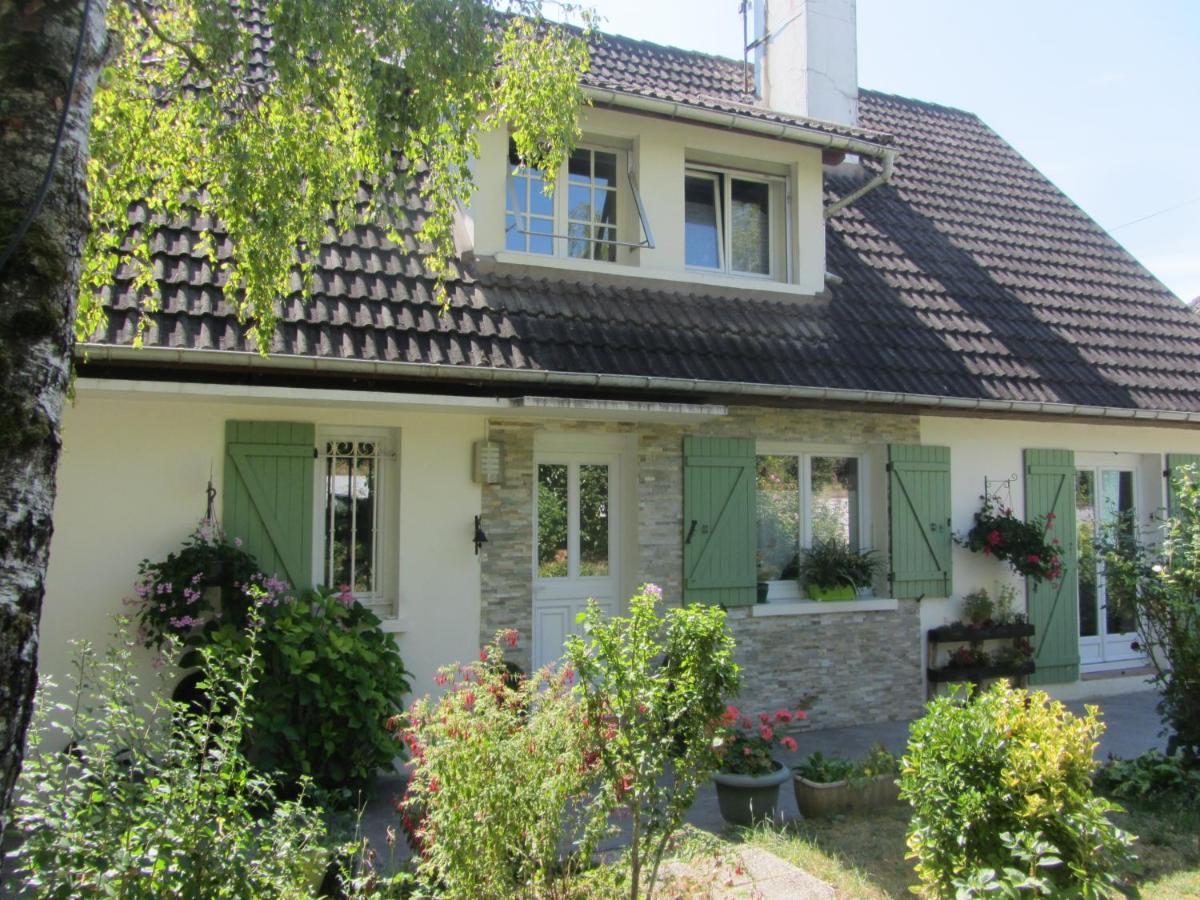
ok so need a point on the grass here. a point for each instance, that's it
(862, 855)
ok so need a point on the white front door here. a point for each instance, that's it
(575, 543)
(1104, 501)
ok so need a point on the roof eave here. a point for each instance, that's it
(673, 109)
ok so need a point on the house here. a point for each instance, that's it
(765, 306)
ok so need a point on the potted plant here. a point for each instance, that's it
(1026, 546)
(749, 778)
(826, 785)
(832, 570)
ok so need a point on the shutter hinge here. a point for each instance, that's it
(316, 453)
(888, 467)
(1166, 473)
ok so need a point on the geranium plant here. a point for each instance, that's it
(1028, 547)
(750, 741)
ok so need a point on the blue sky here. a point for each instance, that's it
(1103, 97)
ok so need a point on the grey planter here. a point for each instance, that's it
(746, 799)
(817, 800)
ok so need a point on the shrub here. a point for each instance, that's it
(330, 680)
(1162, 583)
(653, 689)
(1000, 786)
(1151, 776)
(157, 800)
(501, 772)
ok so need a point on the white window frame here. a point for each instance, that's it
(561, 240)
(723, 176)
(383, 601)
(789, 589)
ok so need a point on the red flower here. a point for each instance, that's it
(1050, 517)
(469, 700)
(765, 718)
(995, 538)
(766, 733)
(783, 715)
(800, 714)
(1035, 559)
(730, 715)
(789, 743)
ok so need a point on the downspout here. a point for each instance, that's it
(884, 176)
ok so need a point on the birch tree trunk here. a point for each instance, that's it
(38, 289)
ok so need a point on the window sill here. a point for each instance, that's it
(394, 625)
(690, 280)
(821, 607)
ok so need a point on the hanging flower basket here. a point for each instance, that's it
(1028, 547)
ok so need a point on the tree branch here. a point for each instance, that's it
(147, 16)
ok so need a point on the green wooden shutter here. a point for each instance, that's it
(1054, 606)
(268, 500)
(720, 534)
(1174, 462)
(919, 521)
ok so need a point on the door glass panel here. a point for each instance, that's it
(552, 521)
(778, 517)
(1085, 519)
(749, 240)
(834, 500)
(593, 520)
(1118, 514)
(701, 234)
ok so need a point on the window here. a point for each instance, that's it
(729, 220)
(573, 521)
(802, 499)
(581, 222)
(355, 505)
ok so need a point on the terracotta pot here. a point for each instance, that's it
(746, 799)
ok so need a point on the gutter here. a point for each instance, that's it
(672, 109)
(884, 176)
(750, 390)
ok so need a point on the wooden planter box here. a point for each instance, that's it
(817, 800)
(959, 633)
(979, 673)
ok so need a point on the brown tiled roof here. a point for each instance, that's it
(970, 276)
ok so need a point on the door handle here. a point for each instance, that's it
(691, 531)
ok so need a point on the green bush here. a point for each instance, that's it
(156, 799)
(1151, 776)
(1001, 790)
(501, 772)
(653, 691)
(330, 681)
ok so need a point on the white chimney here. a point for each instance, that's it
(806, 58)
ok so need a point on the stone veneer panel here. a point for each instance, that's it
(844, 668)
(862, 689)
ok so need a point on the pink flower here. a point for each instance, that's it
(345, 595)
(511, 635)
(800, 715)
(995, 539)
(440, 678)
(766, 733)
(469, 700)
(782, 715)
(765, 718)
(1035, 559)
(789, 743)
(730, 715)
(746, 751)
(237, 542)
(654, 591)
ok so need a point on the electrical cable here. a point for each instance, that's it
(44, 189)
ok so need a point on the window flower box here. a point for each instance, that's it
(979, 673)
(967, 633)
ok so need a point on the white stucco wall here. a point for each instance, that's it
(659, 150)
(993, 448)
(131, 486)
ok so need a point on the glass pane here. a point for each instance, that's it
(541, 241)
(579, 166)
(518, 188)
(701, 234)
(750, 240)
(606, 169)
(539, 203)
(579, 203)
(1118, 494)
(338, 531)
(834, 500)
(607, 252)
(1085, 524)
(778, 481)
(578, 244)
(513, 238)
(363, 497)
(552, 521)
(593, 520)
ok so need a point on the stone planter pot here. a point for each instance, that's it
(817, 800)
(746, 799)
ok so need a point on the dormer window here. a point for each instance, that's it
(730, 221)
(581, 221)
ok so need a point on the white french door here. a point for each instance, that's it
(1104, 500)
(575, 543)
